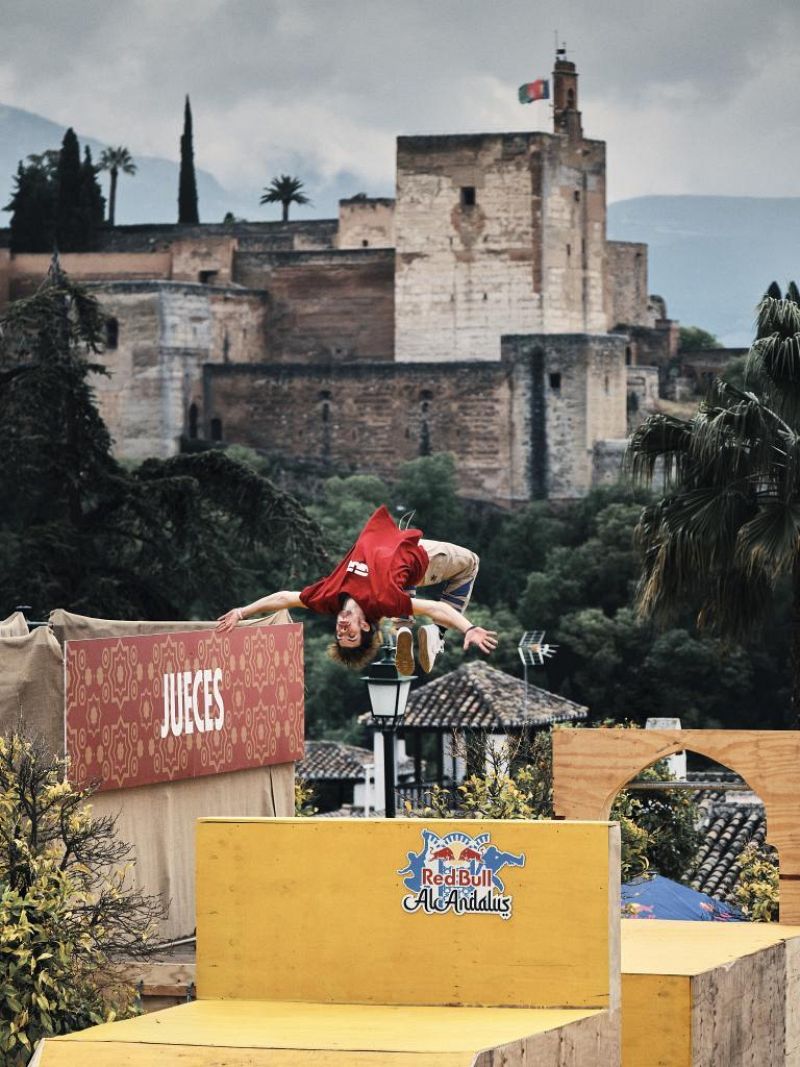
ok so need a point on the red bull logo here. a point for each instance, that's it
(458, 873)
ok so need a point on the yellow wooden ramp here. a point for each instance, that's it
(698, 993)
(281, 1034)
(409, 943)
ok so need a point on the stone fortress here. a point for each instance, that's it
(481, 312)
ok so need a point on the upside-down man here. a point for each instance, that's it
(377, 579)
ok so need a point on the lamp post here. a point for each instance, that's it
(388, 693)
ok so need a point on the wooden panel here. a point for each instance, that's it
(589, 1041)
(738, 1012)
(325, 899)
(591, 766)
(792, 1050)
(341, 1027)
(656, 1021)
(659, 946)
(84, 1054)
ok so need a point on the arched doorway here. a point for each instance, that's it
(591, 766)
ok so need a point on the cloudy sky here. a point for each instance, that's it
(692, 96)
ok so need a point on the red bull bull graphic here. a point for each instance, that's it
(458, 873)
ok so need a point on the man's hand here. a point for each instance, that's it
(228, 621)
(485, 640)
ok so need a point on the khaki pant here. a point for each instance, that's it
(457, 567)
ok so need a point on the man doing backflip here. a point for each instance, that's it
(378, 579)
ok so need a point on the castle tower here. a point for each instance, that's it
(566, 117)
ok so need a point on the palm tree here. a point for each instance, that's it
(284, 190)
(728, 525)
(117, 161)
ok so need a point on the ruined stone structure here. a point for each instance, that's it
(482, 312)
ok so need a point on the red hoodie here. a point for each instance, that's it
(376, 572)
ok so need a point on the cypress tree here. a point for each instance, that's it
(69, 178)
(187, 188)
(91, 204)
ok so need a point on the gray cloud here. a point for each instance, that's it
(692, 97)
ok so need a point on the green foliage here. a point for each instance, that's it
(516, 781)
(694, 339)
(187, 183)
(516, 545)
(57, 201)
(171, 538)
(757, 891)
(284, 190)
(667, 817)
(304, 800)
(67, 914)
(32, 208)
(727, 527)
(428, 487)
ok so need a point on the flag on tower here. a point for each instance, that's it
(538, 90)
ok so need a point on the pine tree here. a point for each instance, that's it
(32, 208)
(187, 188)
(70, 233)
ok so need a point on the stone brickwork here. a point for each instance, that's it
(626, 285)
(372, 417)
(325, 306)
(582, 385)
(165, 333)
(643, 393)
(366, 222)
(305, 235)
(481, 312)
(517, 431)
(26, 272)
(496, 233)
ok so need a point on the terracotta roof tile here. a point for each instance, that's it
(476, 696)
(728, 826)
(333, 760)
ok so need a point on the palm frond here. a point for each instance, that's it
(662, 439)
(769, 542)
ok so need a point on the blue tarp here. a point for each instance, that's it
(660, 898)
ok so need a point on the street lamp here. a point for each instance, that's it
(388, 694)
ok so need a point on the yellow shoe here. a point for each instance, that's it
(404, 651)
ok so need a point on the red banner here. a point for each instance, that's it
(181, 705)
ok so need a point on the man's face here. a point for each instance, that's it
(350, 625)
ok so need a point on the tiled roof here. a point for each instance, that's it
(728, 826)
(476, 696)
(333, 760)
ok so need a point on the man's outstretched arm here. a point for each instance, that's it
(273, 602)
(445, 615)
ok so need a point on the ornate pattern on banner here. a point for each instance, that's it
(180, 705)
(458, 873)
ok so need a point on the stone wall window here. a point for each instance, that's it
(207, 277)
(365, 243)
(112, 333)
(577, 196)
(555, 381)
(216, 429)
(193, 422)
(468, 196)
